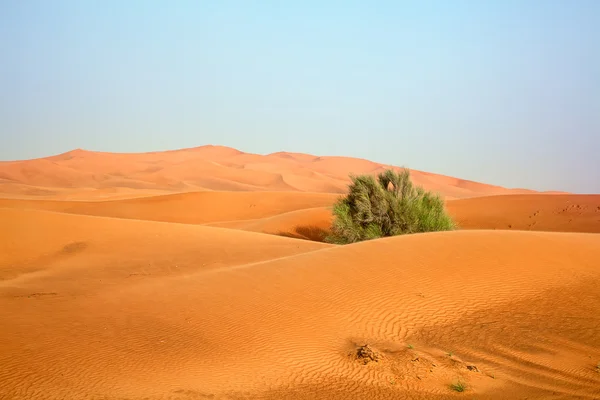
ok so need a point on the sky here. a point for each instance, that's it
(504, 92)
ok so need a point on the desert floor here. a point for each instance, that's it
(202, 274)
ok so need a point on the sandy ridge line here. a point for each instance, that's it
(231, 221)
(173, 194)
(358, 244)
(205, 225)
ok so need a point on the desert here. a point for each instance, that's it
(299, 200)
(204, 273)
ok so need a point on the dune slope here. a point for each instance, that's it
(191, 208)
(563, 213)
(309, 223)
(37, 244)
(521, 307)
(81, 174)
(308, 215)
(550, 213)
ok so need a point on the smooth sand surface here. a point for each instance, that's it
(191, 208)
(199, 274)
(309, 223)
(564, 213)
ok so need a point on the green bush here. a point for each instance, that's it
(387, 206)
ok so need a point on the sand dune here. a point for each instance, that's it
(549, 213)
(179, 275)
(39, 243)
(308, 215)
(134, 309)
(308, 223)
(191, 208)
(564, 213)
(86, 175)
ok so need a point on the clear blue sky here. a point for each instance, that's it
(505, 92)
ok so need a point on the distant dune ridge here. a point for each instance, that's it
(81, 174)
(201, 274)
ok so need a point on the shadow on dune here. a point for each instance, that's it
(307, 232)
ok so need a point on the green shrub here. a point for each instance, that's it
(458, 386)
(388, 205)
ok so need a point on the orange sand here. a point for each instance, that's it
(191, 208)
(565, 213)
(80, 174)
(177, 289)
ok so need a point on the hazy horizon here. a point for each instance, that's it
(505, 93)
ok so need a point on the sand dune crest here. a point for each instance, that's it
(82, 172)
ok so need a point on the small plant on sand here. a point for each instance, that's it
(410, 346)
(450, 354)
(459, 386)
(388, 205)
